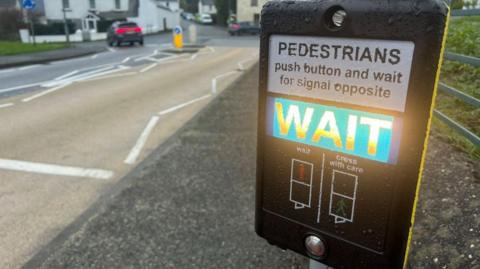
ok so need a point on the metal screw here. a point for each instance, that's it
(315, 246)
(338, 17)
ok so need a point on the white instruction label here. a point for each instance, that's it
(372, 73)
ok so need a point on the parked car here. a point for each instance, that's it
(124, 32)
(204, 18)
(246, 27)
(188, 16)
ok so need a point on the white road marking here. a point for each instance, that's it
(66, 75)
(170, 110)
(214, 80)
(111, 76)
(20, 87)
(126, 60)
(77, 77)
(175, 60)
(135, 152)
(167, 53)
(111, 49)
(70, 78)
(100, 75)
(203, 52)
(147, 57)
(28, 99)
(193, 57)
(95, 67)
(28, 67)
(138, 59)
(94, 56)
(161, 60)
(241, 63)
(150, 56)
(6, 105)
(51, 169)
(8, 70)
(148, 68)
(139, 55)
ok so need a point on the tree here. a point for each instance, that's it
(457, 4)
(11, 20)
(189, 5)
(223, 11)
(474, 3)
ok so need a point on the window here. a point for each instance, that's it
(117, 4)
(254, 3)
(256, 18)
(66, 4)
(93, 4)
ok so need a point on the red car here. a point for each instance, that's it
(124, 32)
(246, 27)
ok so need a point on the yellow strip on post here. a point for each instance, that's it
(424, 153)
(178, 37)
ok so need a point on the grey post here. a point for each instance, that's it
(316, 265)
(32, 28)
(65, 25)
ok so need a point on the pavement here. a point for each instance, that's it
(447, 226)
(190, 204)
(72, 129)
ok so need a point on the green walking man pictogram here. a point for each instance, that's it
(341, 208)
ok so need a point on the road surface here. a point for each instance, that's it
(72, 129)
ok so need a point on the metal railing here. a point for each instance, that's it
(473, 61)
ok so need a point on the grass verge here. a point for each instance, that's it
(15, 48)
(463, 38)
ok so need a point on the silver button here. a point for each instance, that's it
(315, 246)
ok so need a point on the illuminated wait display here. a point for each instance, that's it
(368, 135)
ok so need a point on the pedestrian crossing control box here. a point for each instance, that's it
(345, 103)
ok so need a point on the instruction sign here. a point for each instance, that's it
(345, 102)
(372, 73)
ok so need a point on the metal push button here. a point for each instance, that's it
(315, 246)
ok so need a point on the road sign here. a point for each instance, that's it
(346, 94)
(29, 4)
(178, 37)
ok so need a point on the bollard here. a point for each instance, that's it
(177, 34)
(192, 34)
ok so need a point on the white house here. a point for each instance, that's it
(156, 15)
(151, 15)
(249, 10)
(6, 4)
(207, 6)
(86, 13)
